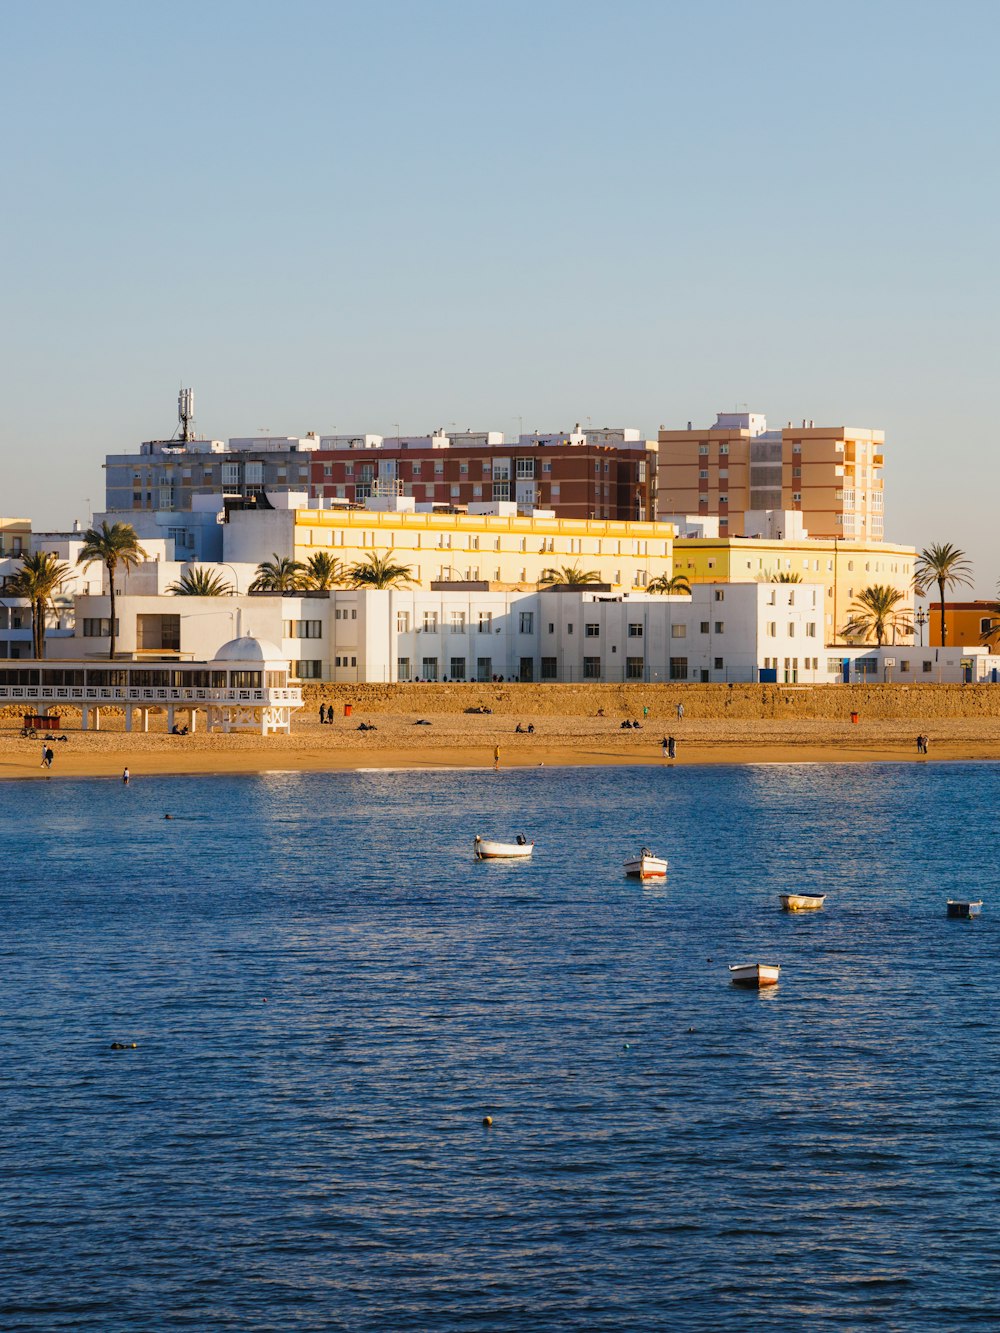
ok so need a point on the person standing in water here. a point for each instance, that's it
(496, 758)
(125, 777)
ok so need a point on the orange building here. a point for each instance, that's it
(965, 623)
(832, 475)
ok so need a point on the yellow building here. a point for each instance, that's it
(832, 475)
(15, 537)
(844, 568)
(508, 552)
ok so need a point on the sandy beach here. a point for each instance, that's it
(461, 740)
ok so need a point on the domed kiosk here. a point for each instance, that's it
(256, 695)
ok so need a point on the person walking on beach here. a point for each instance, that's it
(45, 755)
(664, 744)
(680, 712)
(671, 748)
(926, 741)
(322, 714)
(496, 758)
(125, 777)
(48, 754)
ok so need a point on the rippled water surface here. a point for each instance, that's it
(328, 995)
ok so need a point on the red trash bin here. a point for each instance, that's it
(855, 717)
(348, 709)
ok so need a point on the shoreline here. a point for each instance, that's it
(458, 742)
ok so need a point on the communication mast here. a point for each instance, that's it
(185, 413)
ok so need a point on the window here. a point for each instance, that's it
(569, 629)
(678, 631)
(527, 622)
(552, 628)
(230, 474)
(723, 499)
(457, 671)
(485, 622)
(429, 668)
(926, 667)
(158, 632)
(254, 474)
(791, 629)
(635, 668)
(303, 629)
(720, 627)
(306, 670)
(904, 664)
(678, 668)
(720, 595)
(484, 668)
(501, 490)
(723, 448)
(456, 491)
(796, 495)
(635, 630)
(811, 629)
(430, 622)
(550, 668)
(98, 628)
(719, 664)
(592, 630)
(703, 474)
(457, 625)
(403, 623)
(796, 472)
(642, 472)
(704, 626)
(477, 491)
(592, 668)
(438, 467)
(772, 629)
(416, 468)
(463, 469)
(525, 468)
(703, 448)
(402, 668)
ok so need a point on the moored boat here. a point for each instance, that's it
(754, 974)
(964, 910)
(802, 902)
(646, 866)
(502, 851)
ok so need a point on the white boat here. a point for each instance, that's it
(645, 866)
(802, 902)
(754, 974)
(497, 851)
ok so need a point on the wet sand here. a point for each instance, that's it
(464, 741)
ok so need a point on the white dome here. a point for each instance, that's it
(248, 649)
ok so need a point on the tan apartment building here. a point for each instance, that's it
(831, 475)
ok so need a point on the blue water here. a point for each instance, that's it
(328, 995)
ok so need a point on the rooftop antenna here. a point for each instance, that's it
(185, 414)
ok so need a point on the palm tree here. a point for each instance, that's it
(568, 576)
(991, 632)
(786, 578)
(111, 546)
(41, 576)
(324, 571)
(282, 574)
(379, 571)
(947, 566)
(676, 583)
(874, 611)
(201, 583)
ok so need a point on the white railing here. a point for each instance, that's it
(113, 694)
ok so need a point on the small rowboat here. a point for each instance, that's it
(965, 911)
(646, 866)
(500, 851)
(802, 902)
(754, 974)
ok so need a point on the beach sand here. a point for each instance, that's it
(460, 740)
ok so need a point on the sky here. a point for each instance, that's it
(347, 217)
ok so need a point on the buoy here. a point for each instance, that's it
(135, 1046)
(487, 1121)
(626, 1047)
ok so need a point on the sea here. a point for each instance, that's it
(247, 1052)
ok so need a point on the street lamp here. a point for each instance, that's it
(921, 617)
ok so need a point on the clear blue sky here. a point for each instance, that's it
(340, 216)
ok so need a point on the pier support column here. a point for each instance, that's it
(84, 718)
(170, 717)
(128, 717)
(145, 718)
(192, 720)
(97, 719)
